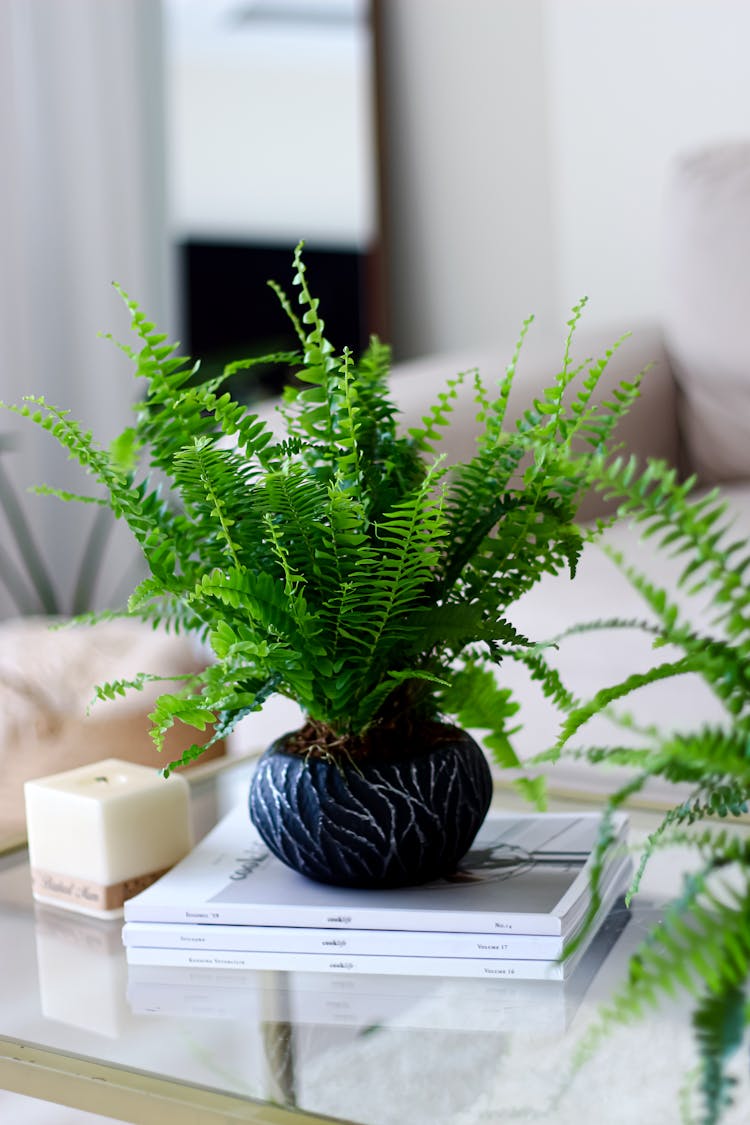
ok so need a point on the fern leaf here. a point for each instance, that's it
(208, 477)
(694, 957)
(719, 1022)
(63, 494)
(437, 416)
(111, 689)
(169, 708)
(581, 715)
(476, 700)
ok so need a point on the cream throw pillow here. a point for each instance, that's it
(707, 230)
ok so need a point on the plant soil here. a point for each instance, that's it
(385, 742)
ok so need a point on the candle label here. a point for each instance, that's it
(84, 892)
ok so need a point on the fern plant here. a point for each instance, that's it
(346, 566)
(703, 943)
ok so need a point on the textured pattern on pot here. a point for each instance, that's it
(375, 824)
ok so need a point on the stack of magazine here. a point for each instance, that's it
(509, 911)
(359, 1001)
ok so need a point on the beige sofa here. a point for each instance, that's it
(694, 412)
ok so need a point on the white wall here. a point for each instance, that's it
(631, 84)
(529, 142)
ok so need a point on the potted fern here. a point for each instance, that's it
(348, 567)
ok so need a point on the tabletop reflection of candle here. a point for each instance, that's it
(82, 971)
(101, 833)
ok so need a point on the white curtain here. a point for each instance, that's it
(82, 204)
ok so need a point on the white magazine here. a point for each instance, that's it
(525, 874)
(302, 939)
(392, 943)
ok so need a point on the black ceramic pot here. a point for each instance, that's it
(387, 824)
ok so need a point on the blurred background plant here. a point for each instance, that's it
(28, 577)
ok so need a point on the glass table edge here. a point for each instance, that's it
(132, 1095)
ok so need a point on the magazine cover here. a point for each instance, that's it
(525, 874)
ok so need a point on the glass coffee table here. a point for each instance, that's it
(158, 1045)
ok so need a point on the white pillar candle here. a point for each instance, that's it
(100, 833)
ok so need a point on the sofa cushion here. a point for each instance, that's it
(707, 244)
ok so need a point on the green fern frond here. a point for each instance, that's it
(719, 1023)
(455, 626)
(298, 506)
(543, 673)
(167, 415)
(260, 600)
(532, 526)
(392, 582)
(702, 946)
(248, 433)
(603, 698)
(547, 413)
(144, 511)
(713, 797)
(493, 412)
(183, 707)
(604, 624)
(110, 690)
(208, 477)
(478, 702)
(687, 526)
(438, 417)
(680, 955)
(63, 494)
(311, 417)
(533, 790)
(285, 359)
(703, 943)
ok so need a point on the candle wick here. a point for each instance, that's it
(101, 779)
